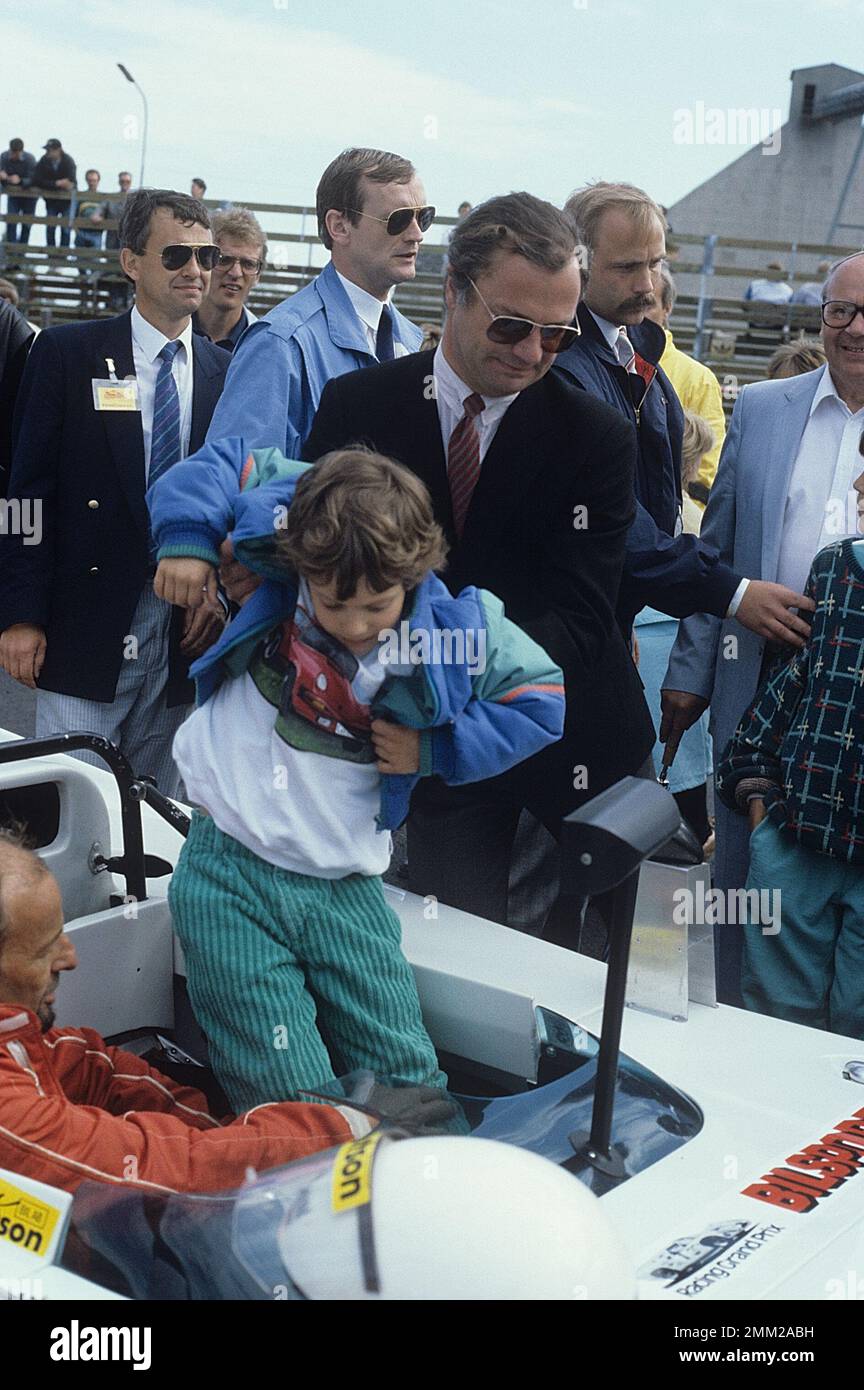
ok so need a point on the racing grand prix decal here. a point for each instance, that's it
(815, 1171)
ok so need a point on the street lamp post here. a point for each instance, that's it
(129, 78)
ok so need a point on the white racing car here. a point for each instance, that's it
(727, 1168)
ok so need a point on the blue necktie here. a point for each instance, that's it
(165, 441)
(384, 336)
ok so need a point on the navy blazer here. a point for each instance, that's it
(85, 469)
(680, 574)
(555, 451)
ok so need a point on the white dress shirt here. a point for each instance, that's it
(147, 343)
(820, 502)
(450, 396)
(368, 310)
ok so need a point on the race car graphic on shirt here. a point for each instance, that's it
(307, 675)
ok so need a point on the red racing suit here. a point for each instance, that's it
(73, 1108)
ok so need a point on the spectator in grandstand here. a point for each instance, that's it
(622, 230)
(791, 359)
(371, 217)
(782, 492)
(224, 316)
(17, 166)
(112, 209)
(89, 204)
(770, 288)
(56, 171)
(198, 189)
(811, 291)
(119, 289)
(462, 211)
(696, 386)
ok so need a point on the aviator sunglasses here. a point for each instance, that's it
(554, 337)
(401, 218)
(175, 257)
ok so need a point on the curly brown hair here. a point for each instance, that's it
(358, 515)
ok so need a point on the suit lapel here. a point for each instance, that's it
(123, 431)
(418, 421)
(786, 433)
(509, 465)
(206, 383)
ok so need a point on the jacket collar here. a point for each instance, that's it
(647, 337)
(343, 325)
(16, 1019)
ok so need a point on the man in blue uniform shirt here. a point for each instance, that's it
(371, 217)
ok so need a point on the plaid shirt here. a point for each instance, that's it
(804, 734)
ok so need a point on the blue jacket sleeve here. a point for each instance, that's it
(679, 575)
(192, 505)
(517, 707)
(263, 399)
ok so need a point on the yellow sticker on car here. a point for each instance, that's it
(24, 1220)
(352, 1173)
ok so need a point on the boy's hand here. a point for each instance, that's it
(186, 582)
(398, 747)
(755, 812)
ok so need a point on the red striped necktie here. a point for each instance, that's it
(463, 461)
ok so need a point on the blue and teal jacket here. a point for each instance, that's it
(477, 717)
(285, 360)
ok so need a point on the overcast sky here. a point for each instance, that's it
(484, 95)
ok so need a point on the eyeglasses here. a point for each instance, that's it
(401, 218)
(554, 337)
(175, 257)
(246, 263)
(839, 313)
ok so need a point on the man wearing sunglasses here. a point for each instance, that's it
(532, 482)
(104, 408)
(224, 316)
(372, 214)
(783, 491)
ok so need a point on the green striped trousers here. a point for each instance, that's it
(258, 938)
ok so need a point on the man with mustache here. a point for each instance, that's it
(616, 358)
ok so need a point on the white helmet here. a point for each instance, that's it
(440, 1218)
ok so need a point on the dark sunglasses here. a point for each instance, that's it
(246, 263)
(839, 313)
(175, 257)
(401, 218)
(554, 337)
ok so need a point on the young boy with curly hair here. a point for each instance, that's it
(350, 672)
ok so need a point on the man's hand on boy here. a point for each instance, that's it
(397, 747)
(238, 582)
(201, 628)
(186, 582)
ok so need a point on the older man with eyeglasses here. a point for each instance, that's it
(104, 408)
(372, 215)
(783, 491)
(224, 314)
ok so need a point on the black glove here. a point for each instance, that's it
(423, 1109)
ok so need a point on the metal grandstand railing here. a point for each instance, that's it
(711, 320)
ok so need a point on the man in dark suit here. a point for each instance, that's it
(104, 407)
(532, 481)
